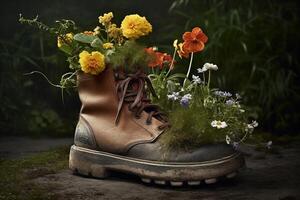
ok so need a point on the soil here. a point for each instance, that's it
(267, 176)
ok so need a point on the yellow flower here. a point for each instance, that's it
(92, 63)
(108, 45)
(88, 32)
(106, 18)
(181, 51)
(114, 32)
(175, 44)
(97, 30)
(135, 26)
(64, 39)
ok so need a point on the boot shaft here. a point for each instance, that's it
(100, 101)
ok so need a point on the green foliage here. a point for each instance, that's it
(164, 85)
(46, 122)
(68, 45)
(66, 48)
(192, 123)
(61, 26)
(198, 114)
(254, 43)
(97, 43)
(81, 37)
(130, 56)
(21, 95)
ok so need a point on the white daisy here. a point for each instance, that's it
(201, 70)
(210, 66)
(218, 124)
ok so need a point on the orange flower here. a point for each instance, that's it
(158, 58)
(167, 58)
(181, 52)
(88, 32)
(194, 41)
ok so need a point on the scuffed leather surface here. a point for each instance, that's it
(84, 136)
(99, 107)
(156, 152)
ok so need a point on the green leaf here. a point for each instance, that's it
(73, 63)
(66, 48)
(80, 37)
(177, 75)
(97, 43)
(171, 86)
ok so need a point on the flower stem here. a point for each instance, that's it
(208, 82)
(189, 70)
(172, 63)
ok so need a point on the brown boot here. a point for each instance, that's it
(119, 130)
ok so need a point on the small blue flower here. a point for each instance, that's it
(185, 100)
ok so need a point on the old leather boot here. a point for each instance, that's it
(119, 129)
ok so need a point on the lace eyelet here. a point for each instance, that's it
(148, 122)
(137, 116)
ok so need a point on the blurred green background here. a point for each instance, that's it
(254, 43)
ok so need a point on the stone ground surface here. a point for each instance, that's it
(274, 177)
(17, 147)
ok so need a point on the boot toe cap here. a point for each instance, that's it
(205, 153)
(155, 152)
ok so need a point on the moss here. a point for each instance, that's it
(190, 129)
(130, 56)
(15, 175)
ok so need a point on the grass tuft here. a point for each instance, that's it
(15, 175)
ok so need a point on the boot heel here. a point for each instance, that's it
(83, 166)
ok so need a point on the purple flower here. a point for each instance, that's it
(185, 100)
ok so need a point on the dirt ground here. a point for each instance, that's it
(271, 176)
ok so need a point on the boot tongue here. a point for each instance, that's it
(131, 89)
(135, 86)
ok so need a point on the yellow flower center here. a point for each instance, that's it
(92, 63)
(219, 123)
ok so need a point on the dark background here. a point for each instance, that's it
(254, 43)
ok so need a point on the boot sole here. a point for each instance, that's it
(99, 165)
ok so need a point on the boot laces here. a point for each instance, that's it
(131, 89)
